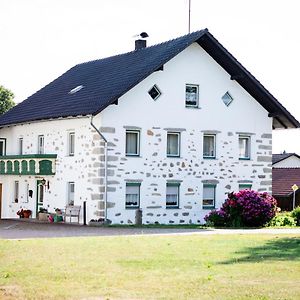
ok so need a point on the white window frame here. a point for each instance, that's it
(71, 143)
(16, 191)
(248, 145)
(127, 195)
(177, 185)
(21, 141)
(137, 132)
(215, 146)
(26, 200)
(69, 187)
(41, 144)
(3, 150)
(178, 144)
(210, 206)
(197, 95)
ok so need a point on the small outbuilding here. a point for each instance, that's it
(285, 173)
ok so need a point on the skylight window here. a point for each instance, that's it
(76, 89)
(154, 92)
(227, 98)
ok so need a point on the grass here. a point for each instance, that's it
(152, 267)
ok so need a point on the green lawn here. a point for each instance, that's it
(152, 267)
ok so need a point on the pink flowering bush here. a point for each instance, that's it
(244, 208)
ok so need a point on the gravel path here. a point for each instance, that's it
(17, 229)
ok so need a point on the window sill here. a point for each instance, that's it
(244, 158)
(173, 156)
(209, 157)
(172, 207)
(132, 207)
(192, 107)
(132, 155)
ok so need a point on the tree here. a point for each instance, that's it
(6, 100)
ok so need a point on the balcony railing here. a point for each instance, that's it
(28, 164)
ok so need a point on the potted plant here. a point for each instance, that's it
(43, 214)
(27, 213)
(24, 213)
(58, 217)
(20, 213)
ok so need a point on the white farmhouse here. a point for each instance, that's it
(168, 129)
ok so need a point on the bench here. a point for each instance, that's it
(72, 211)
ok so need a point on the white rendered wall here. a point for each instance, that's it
(78, 168)
(153, 168)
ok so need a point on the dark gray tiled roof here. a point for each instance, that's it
(279, 157)
(105, 80)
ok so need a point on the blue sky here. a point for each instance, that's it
(41, 39)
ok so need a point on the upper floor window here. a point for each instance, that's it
(71, 193)
(209, 146)
(209, 196)
(172, 195)
(41, 146)
(191, 95)
(132, 195)
(20, 146)
(132, 143)
(2, 147)
(173, 144)
(71, 144)
(244, 147)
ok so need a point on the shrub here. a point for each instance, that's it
(283, 220)
(245, 208)
(296, 215)
(216, 218)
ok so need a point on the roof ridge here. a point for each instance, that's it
(143, 49)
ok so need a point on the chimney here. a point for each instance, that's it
(139, 44)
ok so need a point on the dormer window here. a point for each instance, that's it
(191, 95)
(154, 92)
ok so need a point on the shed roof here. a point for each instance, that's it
(279, 157)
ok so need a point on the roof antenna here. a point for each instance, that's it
(189, 16)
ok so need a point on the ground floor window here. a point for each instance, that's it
(132, 195)
(209, 195)
(71, 193)
(245, 186)
(172, 195)
(16, 191)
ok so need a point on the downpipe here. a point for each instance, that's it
(105, 168)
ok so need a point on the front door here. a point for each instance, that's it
(39, 195)
(0, 200)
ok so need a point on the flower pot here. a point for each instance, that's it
(43, 217)
(26, 214)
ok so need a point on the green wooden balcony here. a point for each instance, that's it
(28, 164)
